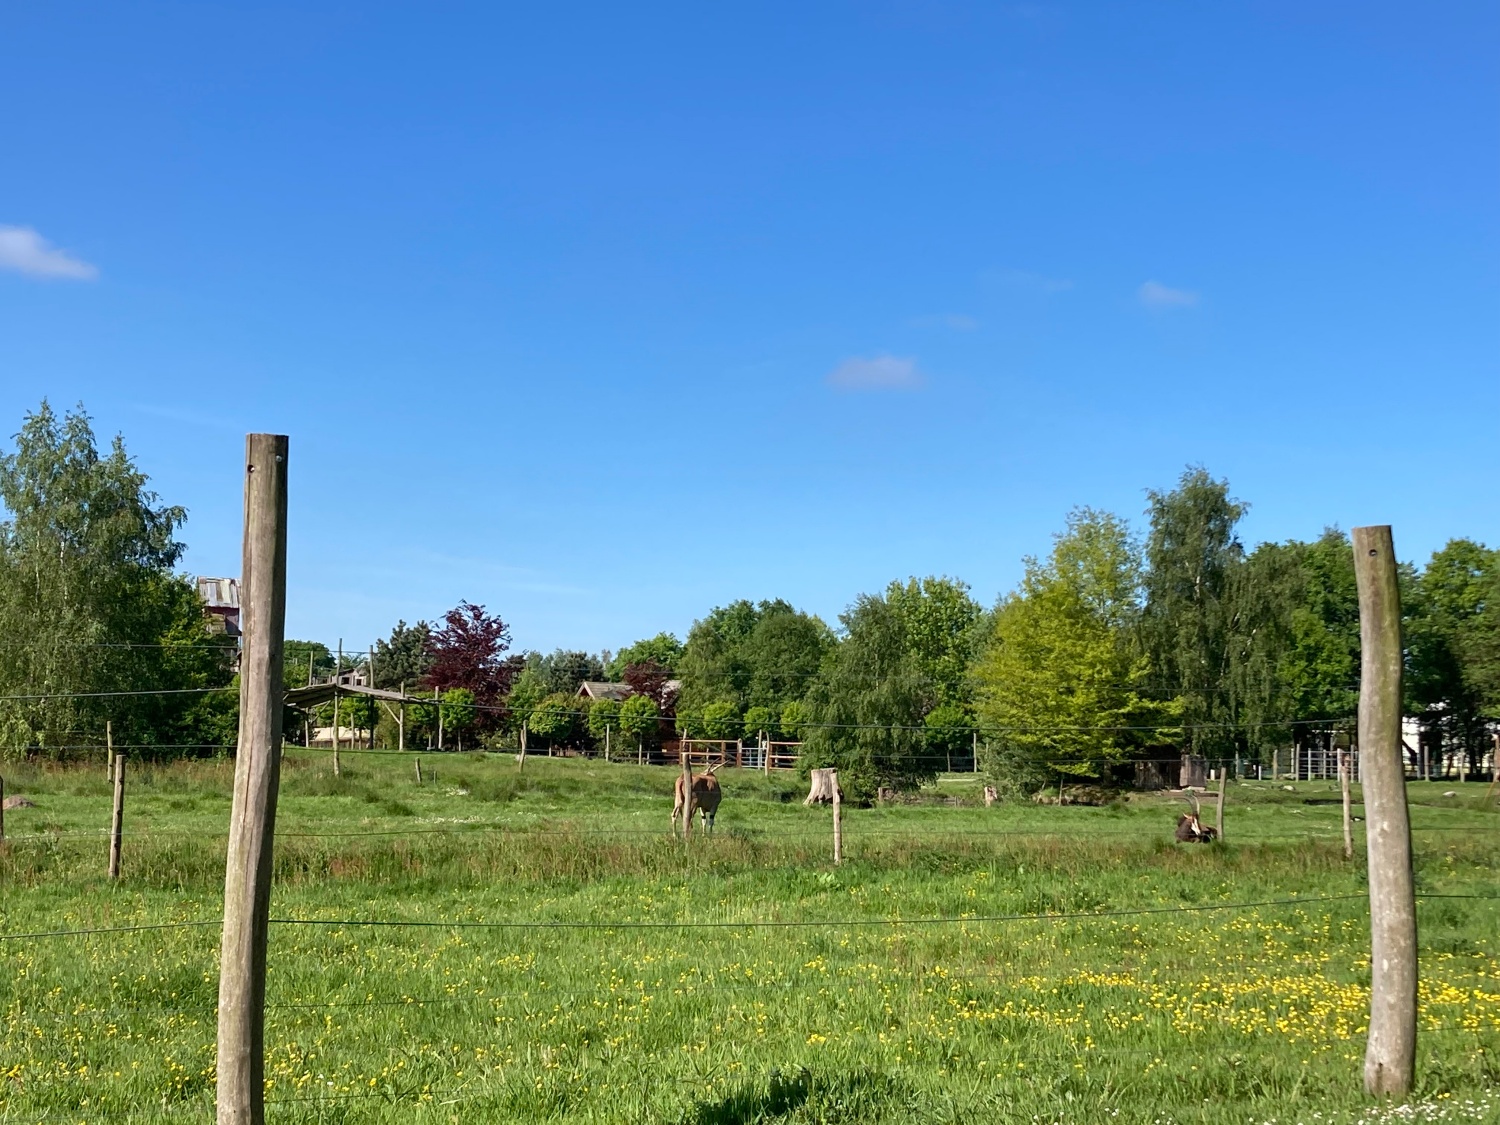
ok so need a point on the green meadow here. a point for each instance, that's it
(504, 945)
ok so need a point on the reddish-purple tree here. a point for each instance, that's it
(468, 652)
(650, 678)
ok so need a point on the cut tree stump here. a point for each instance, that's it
(824, 783)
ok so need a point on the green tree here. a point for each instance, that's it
(1191, 552)
(865, 710)
(564, 670)
(89, 603)
(949, 734)
(663, 649)
(402, 658)
(751, 654)
(759, 720)
(942, 624)
(722, 720)
(459, 714)
(1449, 619)
(603, 716)
(640, 721)
(794, 719)
(1058, 684)
(556, 719)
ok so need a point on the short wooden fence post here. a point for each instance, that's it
(1390, 1051)
(257, 766)
(1344, 763)
(838, 821)
(117, 821)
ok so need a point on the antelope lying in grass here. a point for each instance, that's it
(706, 796)
(1190, 829)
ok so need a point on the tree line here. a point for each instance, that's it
(1115, 646)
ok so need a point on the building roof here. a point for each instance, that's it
(595, 689)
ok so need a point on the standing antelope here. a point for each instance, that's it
(706, 796)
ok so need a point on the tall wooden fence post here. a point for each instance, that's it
(338, 673)
(1219, 809)
(838, 821)
(109, 751)
(117, 821)
(687, 797)
(1345, 757)
(1390, 1051)
(257, 766)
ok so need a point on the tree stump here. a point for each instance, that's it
(824, 783)
(991, 795)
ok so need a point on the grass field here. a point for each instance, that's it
(566, 960)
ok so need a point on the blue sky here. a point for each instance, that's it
(601, 315)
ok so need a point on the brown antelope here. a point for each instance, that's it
(706, 796)
(1190, 829)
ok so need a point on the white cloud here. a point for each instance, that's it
(879, 373)
(956, 321)
(25, 251)
(1155, 295)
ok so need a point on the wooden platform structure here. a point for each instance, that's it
(766, 756)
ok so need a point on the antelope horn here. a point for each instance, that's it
(710, 769)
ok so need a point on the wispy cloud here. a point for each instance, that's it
(26, 252)
(958, 322)
(1155, 295)
(878, 373)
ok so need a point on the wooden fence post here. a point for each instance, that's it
(418, 763)
(109, 751)
(521, 757)
(1219, 809)
(2, 810)
(838, 821)
(687, 797)
(252, 821)
(117, 821)
(1345, 757)
(338, 672)
(1390, 1051)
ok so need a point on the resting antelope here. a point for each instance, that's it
(706, 796)
(1190, 829)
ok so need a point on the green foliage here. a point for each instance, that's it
(722, 720)
(556, 719)
(942, 625)
(760, 719)
(563, 671)
(794, 719)
(89, 603)
(402, 658)
(865, 711)
(459, 713)
(664, 649)
(604, 714)
(1187, 624)
(526, 693)
(1450, 628)
(1059, 683)
(639, 719)
(949, 733)
(752, 655)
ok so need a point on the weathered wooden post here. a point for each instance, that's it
(1390, 1051)
(1344, 759)
(687, 796)
(521, 757)
(117, 821)
(606, 742)
(1219, 807)
(418, 762)
(338, 673)
(401, 720)
(437, 695)
(838, 821)
(252, 821)
(109, 751)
